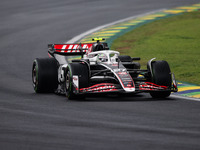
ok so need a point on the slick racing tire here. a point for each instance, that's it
(128, 62)
(161, 75)
(125, 58)
(76, 69)
(45, 75)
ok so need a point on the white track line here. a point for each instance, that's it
(185, 98)
(82, 35)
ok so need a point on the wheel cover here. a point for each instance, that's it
(34, 76)
(68, 80)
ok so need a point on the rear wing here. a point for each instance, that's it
(70, 49)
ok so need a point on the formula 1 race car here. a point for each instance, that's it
(80, 69)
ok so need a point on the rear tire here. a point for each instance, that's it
(128, 62)
(125, 58)
(161, 75)
(45, 75)
(81, 70)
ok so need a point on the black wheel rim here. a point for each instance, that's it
(67, 80)
(34, 76)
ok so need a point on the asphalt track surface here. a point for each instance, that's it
(30, 121)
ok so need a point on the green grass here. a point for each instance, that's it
(175, 39)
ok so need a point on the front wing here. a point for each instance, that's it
(117, 88)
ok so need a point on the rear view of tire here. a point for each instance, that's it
(125, 58)
(80, 70)
(128, 62)
(45, 75)
(161, 75)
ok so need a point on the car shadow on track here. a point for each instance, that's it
(103, 98)
(123, 98)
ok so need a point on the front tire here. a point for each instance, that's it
(81, 70)
(161, 75)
